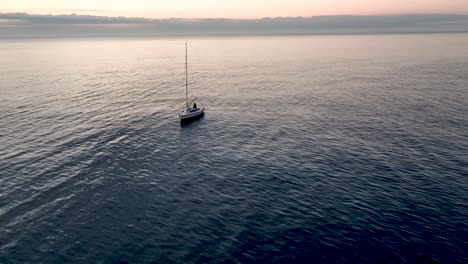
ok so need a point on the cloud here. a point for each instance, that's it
(30, 25)
(84, 10)
(69, 19)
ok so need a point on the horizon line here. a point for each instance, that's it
(228, 18)
(74, 24)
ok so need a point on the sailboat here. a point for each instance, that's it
(191, 111)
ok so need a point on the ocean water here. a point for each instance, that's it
(313, 149)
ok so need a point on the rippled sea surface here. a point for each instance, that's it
(313, 149)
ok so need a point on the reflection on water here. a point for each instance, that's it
(330, 148)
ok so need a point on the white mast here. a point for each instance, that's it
(186, 78)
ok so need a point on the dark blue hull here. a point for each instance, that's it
(191, 119)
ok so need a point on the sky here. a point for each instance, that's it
(57, 18)
(234, 9)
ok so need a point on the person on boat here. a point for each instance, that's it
(194, 105)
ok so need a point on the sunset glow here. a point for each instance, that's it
(234, 9)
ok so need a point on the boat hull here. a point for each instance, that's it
(186, 118)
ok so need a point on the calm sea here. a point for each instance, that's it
(313, 149)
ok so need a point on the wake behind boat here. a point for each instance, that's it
(191, 112)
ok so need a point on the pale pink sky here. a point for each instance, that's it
(233, 8)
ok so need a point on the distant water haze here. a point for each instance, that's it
(34, 25)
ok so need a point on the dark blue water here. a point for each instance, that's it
(313, 149)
